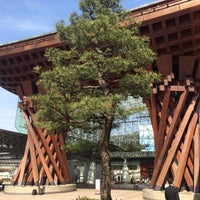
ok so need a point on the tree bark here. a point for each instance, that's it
(105, 158)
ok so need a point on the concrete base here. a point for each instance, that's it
(13, 189)
(149, 194)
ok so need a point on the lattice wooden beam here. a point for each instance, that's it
(43, 156)
(174, 111)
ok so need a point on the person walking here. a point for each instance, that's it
(171, 192)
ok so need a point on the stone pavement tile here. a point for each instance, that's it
(116, 195)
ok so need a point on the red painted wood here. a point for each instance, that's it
(50, 155)
(163, 120)
(168, 139)
(32, 134)
(185, 150)
(33, 161)
(175, 144)
(18, 177)
(196, 159)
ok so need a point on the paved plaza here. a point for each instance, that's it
(91, 193)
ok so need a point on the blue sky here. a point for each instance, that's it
(21, 19)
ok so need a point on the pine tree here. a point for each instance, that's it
(102, 66)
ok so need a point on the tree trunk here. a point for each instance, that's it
(105, 158)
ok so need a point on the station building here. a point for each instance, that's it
(131, 167)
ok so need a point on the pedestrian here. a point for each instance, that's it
(41, 184)
(171, 192)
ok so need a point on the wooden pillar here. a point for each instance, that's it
(174, 112)
(43, 156)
